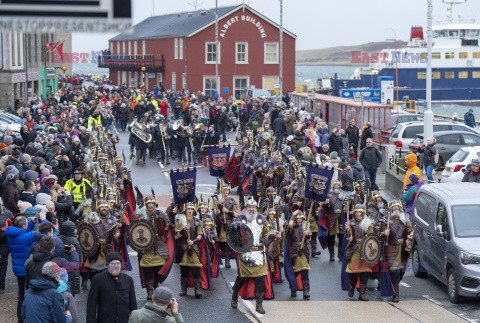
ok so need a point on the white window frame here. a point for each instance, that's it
(174, 81)
(265, 53)
(119, 79)
(175, 48)
(135, 47)
(236, 53)
(159, 78)
(205, 77)
(144, 47)
(118, 47)
(124, 77)
(16, 41)
(129, 48)
(240, 77)
(184, 81)
(180, 48)
(218, 52)
(123, 49)
(111, 47)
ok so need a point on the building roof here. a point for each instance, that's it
(183, 24)
(344, 101)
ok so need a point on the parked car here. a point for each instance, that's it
(456, 165)
(10, 117)
(405, 133)
(447, 237)
(448, 143)
(404, 116)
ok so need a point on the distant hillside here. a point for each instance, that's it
(341, 55)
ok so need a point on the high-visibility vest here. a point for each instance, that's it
(92, 121)
(77, 190)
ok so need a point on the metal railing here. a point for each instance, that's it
(132, 62)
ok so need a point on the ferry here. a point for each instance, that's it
(455, 63)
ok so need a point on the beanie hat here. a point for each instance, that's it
(31, 212)
(23, 206)
(42, 198)
(414, 178)
(30, 175)
(352, 161)
(51, 269)
(12, 170)
(342, 164)
(163, 293)
(113, 256)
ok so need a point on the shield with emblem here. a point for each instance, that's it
(240, 237)
(141, 236)
(88, 239)
(371, 248)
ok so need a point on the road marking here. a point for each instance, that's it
(463, 316)
(133, 253)
(432, 300)
(405, 284)
(207, 185)
(161, 165)
(167, 175)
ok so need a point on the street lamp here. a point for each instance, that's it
(144, 75)
(64, 68)
(281, 49)
(428, 114)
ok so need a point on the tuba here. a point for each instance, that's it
(137, 130)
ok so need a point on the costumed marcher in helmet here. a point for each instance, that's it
(155, 264)
(297, 254)
(213, 246)
(224, 215)
(356, 230)
(191, 253)
(276, 258)
(313, 226)
(377, 208)
(333, 212)
(397, 238)
(106, 227)
(252, 265)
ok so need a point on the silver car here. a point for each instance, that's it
(446, 219)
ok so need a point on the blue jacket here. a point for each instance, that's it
(19, 242)
(469, 120)
(324, 136)
(43, 303)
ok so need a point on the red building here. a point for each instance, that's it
(178, 50)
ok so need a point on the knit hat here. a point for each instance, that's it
(31, 212)
(8, 140)
(342, 164)
(475, 162)
(42, 198)
(51, 269)
(333, 155)
(352, 161)
(23, 206)
(27, 158)
(30, 175)
(49, 181)
(414, 177)
(113, 256)
(163, 293)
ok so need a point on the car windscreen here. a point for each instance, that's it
(258, 93)
(459, 156)
(396, 131)
(466, 221)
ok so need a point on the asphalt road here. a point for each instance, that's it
(422, 300)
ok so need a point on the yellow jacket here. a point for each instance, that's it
(411, 163)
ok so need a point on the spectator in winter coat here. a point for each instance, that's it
(469, 119)
(30, 193)
(20, 237)
(43, 303)
(6, 217)
(112, 294)
(290, 122)
(344, 139)
(411, 163)
(157, 311)
(358, 171)
(222, 123)
(279, 129)
(334, 141)
(346, 177)
(324, 136)
(370, 158)
(123, 116)
(353, 134)
(67, 235)
(472, 173)
(429, 151)
(411, 191)
(366, 133)
(69, 299)
(10, 195)
(299, 139)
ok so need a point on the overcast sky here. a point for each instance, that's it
(317, 23)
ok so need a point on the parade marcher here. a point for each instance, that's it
(213, 246)
(377, 208)
(356, 230)
(333, 213)
(155, 264)
(253, 265)
(275, 256)
(191, 250)
(396, 231)
(224, 216)
(296, 238)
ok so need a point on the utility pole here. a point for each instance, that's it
(428, 114)
(281, 48)
(216, 48)
(25, 49)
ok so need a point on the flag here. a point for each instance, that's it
(318, 181)
(183, 185)
(218, 158)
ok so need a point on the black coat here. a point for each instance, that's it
(64, 208)
(222, 119)
(470, 176)
(279, 125)
(367, 133)
(335, 143)
(353, 135)
(10, 196)
(111, 299)
(429, 153)
(358, 173)
(346, 178)
(67, 232)
(370, 158)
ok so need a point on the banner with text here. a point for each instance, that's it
(183, 186)
(218, 158)
(318, 183)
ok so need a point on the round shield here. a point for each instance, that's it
(141, 236)
(239, 237)
(371, 248)
(88, 239)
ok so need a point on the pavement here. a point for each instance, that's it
(422, 300)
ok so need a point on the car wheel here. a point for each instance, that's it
(418, 269)
(452, 288)
(439, 166)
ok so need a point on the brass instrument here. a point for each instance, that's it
(137, 130)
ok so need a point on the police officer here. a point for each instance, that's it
(79, 187)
